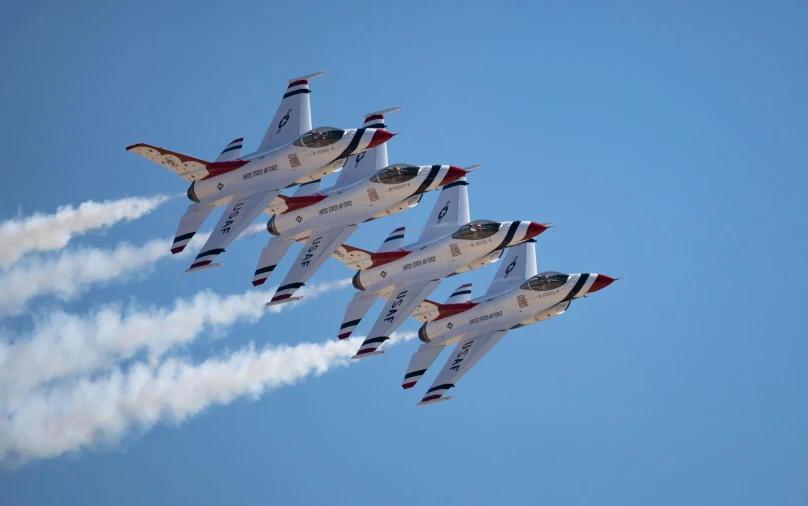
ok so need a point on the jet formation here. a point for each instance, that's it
(292, 154)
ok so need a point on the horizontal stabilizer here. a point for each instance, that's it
(458, 302)
(353, 258)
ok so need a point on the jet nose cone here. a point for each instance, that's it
(453, 175)
(601, 282)
(534, 229)
(379, 137)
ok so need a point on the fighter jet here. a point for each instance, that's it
(290, 153)
(516, 297)
(405, 276)
(367, 189)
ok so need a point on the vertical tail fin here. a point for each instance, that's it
(293, 116)
(461, 294)
(231, 151)
(517, 266)
(363, 165)
(450, 211)
(393, 242)
(306, 189)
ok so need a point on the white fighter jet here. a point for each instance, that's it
(290, 153)
(516, 297)
(405, 276)
(367, 189)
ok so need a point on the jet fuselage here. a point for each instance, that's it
(356, 203)
(278, 168)
(516, 307)
(443, 256)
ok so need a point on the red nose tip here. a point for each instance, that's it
(601, 282)
(534, 229)
(453, 175)
(379, 137)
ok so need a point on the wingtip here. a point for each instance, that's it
(472, 167)
(384, 111)
(278, 302)
(202, 267)
(309, 76)
(433, 401)
(366, 355)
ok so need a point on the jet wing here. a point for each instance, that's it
(468, 352)
(240, 212)
(450, 212)
(271, 255)
(293, 117)
(403, 300)
(321, 244)
(517, 266)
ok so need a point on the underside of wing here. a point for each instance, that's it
(319, 246)
(240, 212)
(187, 167)
(468, 352)
(403, 300)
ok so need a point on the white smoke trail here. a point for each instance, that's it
(66, 344)
(45, 232)
(49, 422)
(72, 272)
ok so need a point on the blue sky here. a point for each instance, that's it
(666, 143)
